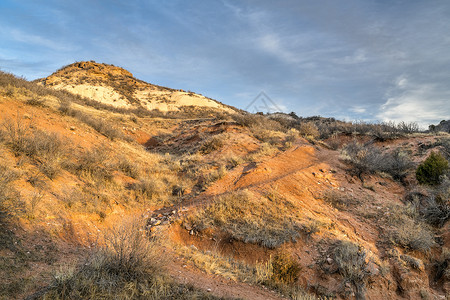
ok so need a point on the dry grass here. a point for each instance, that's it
(247, 218)
(128, 266)
(95, 163)
(408, 230)
(47, 150)
(227, 267)
(212, 144)
(340, 200)
(279, 273)
(350, 261)
(102, 126)
(9, 200)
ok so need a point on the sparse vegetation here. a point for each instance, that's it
(278, 274)
(128, 266)
(367, 159)
(351, 262)
(148, 188)
(95, 163)
(8, 195)
(340, 200)
(408, 231)
(212, 144)
(46, 149)
(247, 218)
(65, 192)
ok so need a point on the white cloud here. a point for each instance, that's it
(422, 103)
(273, 44)
(358, 109)
(33, 39)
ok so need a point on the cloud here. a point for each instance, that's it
(36, 40)
(362, 60)
(358, 109)
(423, 103)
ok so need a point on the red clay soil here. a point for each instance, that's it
(302, 174)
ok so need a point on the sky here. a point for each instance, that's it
(368, 60)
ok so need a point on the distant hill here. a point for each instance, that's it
(116, 86)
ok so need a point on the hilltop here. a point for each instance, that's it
(117, 87)
(100, 201)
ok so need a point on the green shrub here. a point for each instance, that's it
(430, 171)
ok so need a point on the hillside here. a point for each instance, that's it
(101, 200)
(117, 87)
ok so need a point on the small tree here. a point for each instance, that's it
(430, 171)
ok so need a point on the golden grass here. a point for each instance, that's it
(248, 218)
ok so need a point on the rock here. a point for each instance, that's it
(158, 222)
(191, 232)
(72, 128)
(373, 269)
(330, 260)
(194, 248)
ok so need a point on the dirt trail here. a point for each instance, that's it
(219, 286)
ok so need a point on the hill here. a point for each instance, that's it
(98, 201)
(117, 87)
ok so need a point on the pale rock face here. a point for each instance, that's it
(115, 86)
(102, 94)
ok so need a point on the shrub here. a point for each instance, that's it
(413, 262)
(351, 263)
(441, 267)
(430, 171)
(366, 159)
(308, 130)
(100, 125)
(94, 163)
(412, 235)
(7, 194)
(148, 188)
(396, 164)
(128, 167)
(339, 200)
(363, 158)
(437, 209)
(285, 268)
(46, 149)
(212, 144)
(128, 266)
